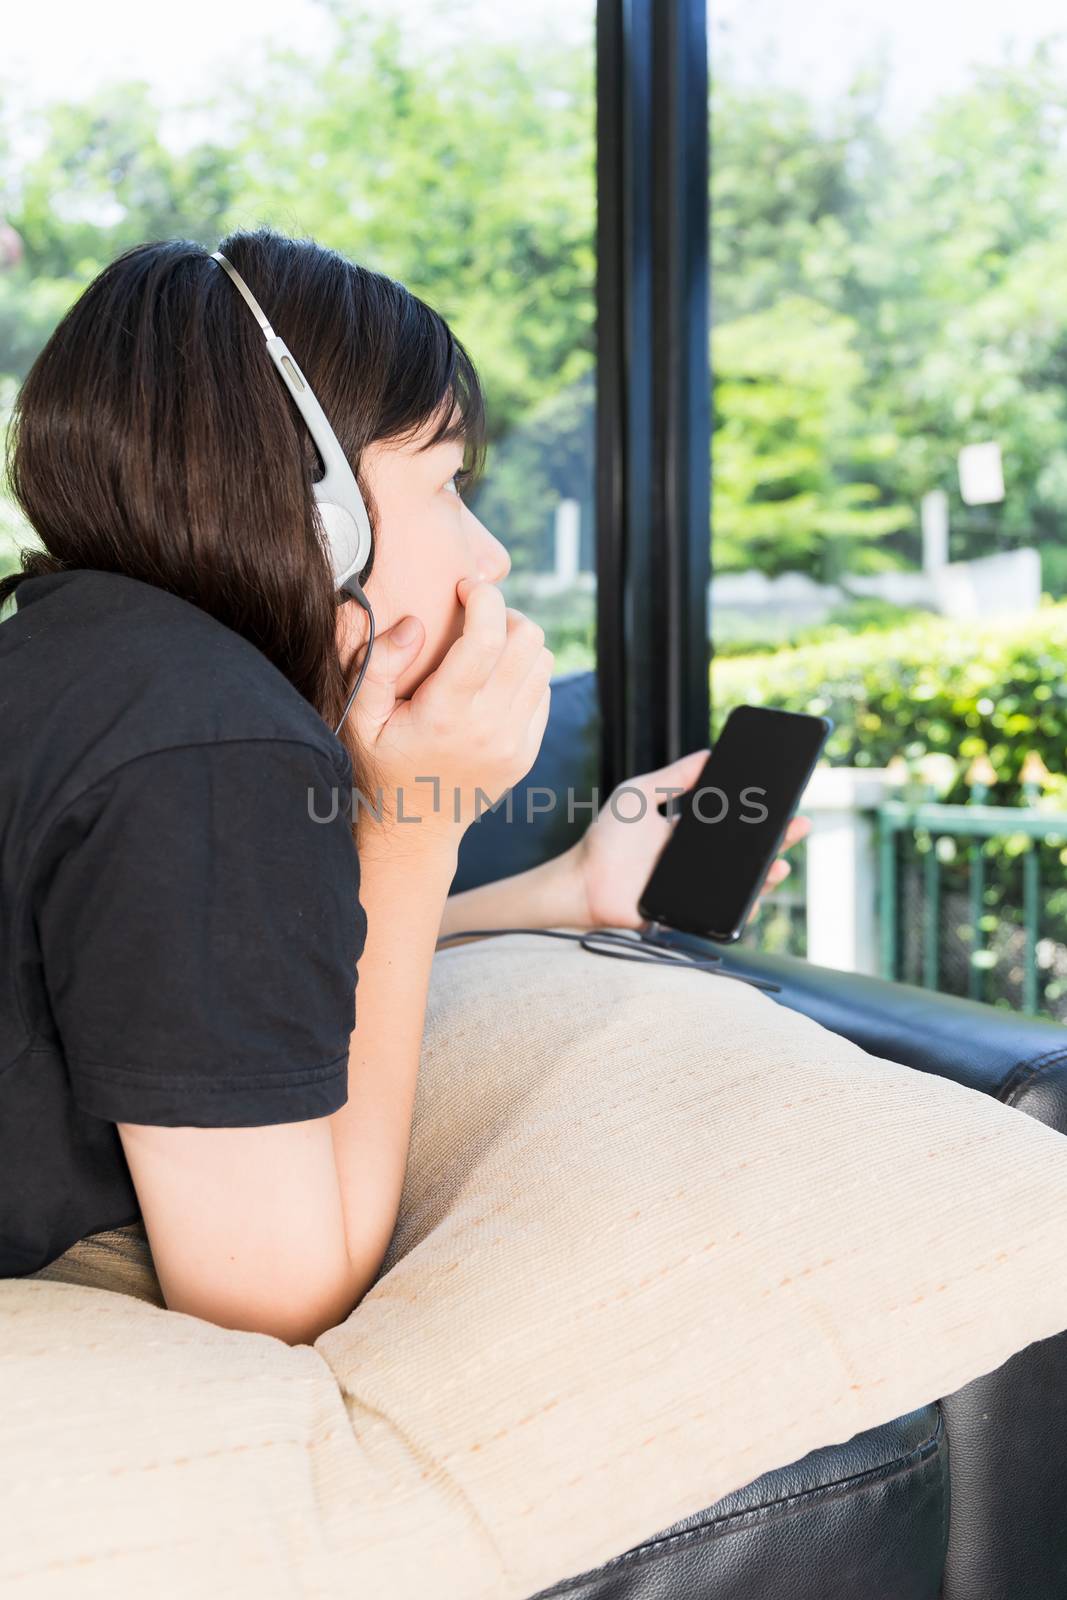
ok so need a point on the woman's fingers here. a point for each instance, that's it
(778, 870)
(524, 654)
(477, 720)
(389, 660)
(798, 829)
(532, 689)
(471, 659)
(538, 721)
(498, 652)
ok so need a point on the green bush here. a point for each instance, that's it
(960, 689)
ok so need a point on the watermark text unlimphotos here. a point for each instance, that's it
(627, 802)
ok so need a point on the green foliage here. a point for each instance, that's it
(958, 689)
(789, 190)
(877, 302)
(945, 252)
(105, 181)
(786, 385)
(468, 174)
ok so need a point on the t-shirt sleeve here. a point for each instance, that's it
(200, 928)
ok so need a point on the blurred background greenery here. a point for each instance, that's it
(879, 300)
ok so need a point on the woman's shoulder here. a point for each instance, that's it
(114, 690)
(146, 670)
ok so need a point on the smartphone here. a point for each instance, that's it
(732, 821)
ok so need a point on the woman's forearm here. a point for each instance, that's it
(408, 909)
(403, 899)
(549, 895)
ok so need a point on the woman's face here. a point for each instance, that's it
(427, 540)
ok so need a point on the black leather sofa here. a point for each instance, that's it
(964, 1499)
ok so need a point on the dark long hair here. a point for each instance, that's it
(153, 437)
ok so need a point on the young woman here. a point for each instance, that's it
(183, 899)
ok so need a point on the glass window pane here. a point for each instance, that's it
(889, 457)
(450, 147)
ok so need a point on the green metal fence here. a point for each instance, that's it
(970, 899)
(1003, 866)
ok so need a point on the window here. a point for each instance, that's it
(450, 147)
(889, 454)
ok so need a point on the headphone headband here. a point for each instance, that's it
(340, 504)
(257, 310)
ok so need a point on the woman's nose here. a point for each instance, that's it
(494, 562)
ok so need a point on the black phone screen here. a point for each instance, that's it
(731, 822)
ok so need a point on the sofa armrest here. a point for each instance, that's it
(1008, 1429)
(1017, 1058)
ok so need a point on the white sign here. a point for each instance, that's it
(981, 474)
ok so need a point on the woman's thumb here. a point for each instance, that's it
(684, 772)
(390, 655)
(691, 766)
(406, 631)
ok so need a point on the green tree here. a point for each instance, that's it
(944, 249)
(470, 177)
(962, 337)
(791, 446)
(468, 174)
(789, 191)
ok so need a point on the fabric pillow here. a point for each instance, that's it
(659, 1234)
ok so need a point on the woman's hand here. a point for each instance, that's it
(613, 859)
(476, 723)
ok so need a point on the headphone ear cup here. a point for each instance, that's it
(349, 549)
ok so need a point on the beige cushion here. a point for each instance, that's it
(659, 1234)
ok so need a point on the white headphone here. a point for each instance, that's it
(340, 504)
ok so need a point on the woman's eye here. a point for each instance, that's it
(457, 480)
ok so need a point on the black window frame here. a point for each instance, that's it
(653, 384)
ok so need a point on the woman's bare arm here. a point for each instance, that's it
(549, 895)
(245, 1224)
(282, 1229)
(403, 888)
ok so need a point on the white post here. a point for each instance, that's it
(568, 534)
(935, 530)
(842, 910)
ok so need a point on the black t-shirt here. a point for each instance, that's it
(179, 897)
